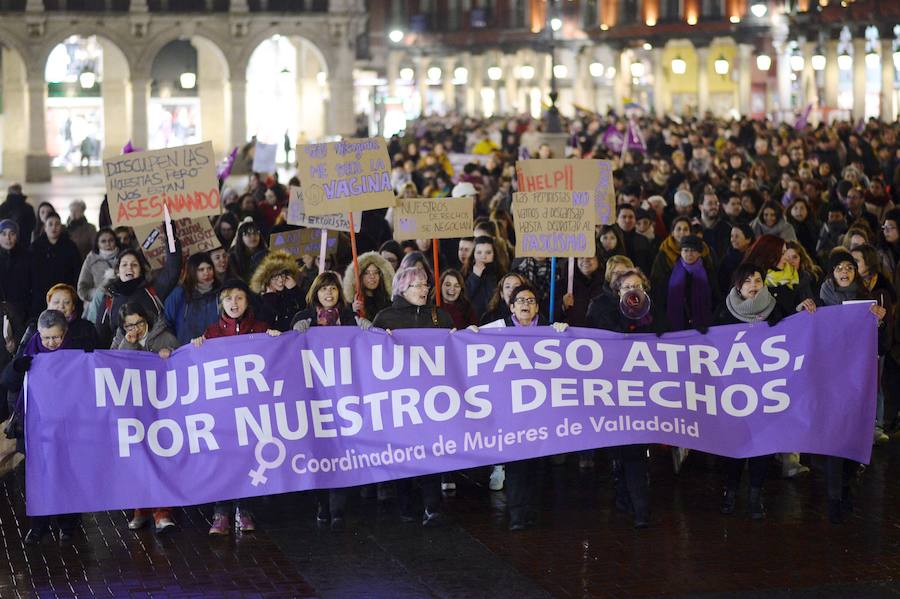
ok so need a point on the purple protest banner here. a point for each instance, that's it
(255, 415)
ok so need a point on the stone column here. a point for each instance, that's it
(238, 110)
(117, 100)
(745, 72)
(447, 67)
(393, 72)
(859, 77)
(783, 75)
(831, 73)
(661, 96)
(422, 81)
(475, 85)
(37, 161)
(888, 114)
(15, 110)
(511, 84)
(808, 87)
(140, 98)
(702, 80)
(622, 82)
(342, 116)
(212, 92)
(310, 95)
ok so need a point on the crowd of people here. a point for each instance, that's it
(716, 222)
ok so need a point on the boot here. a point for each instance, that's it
(729, 498)
(757, 510)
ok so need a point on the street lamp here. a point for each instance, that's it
(87, 79)
(596, 69)
(556, 23)
(797, 62)
(679, 66)
(396, 36)
(495, 73)
(526, 72)
(721, 66)
(637, 70)
(871, 59)
(407, 74)
(460, 75)
(896, 56)
(818, 61)
(560, 71)
(434, 75)
(845, 61)
(763, 62)
(759, 9)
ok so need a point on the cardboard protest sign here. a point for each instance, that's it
(296, 215)
(195, 234)
(432, 218)
(554, 224)
(140, 183)
(594, 176)
(264, 158)
(343, 176)
(302, 242)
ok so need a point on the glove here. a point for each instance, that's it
(363, 323)
(22, 364)
(302, 325)
(702, 329)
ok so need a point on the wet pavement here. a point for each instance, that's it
(581, 546)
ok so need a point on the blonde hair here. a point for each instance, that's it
(614, 261)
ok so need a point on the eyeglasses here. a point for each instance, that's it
(525, 301)
(843, 268)
(419, 286)
(54, 338)
(637, 287)
(134, 326)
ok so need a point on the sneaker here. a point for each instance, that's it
(245, 522)
(679, 455)
(140, 519)
(221, 525)
(34, 536)
(163, 520)
(879, 438)
(498, 475)
(448, 486)
(791, 466)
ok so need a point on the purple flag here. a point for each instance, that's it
(803, 119)
(128, 148)
(255, 415)
(225, 169)
(612, 139)
(635, 139)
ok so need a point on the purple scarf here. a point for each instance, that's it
(700, 308)
(34, 346)
(533, 323)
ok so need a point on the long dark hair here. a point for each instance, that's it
(324, 279)
(105, 231)
(463, 300)
(766, 252)
(240, 253)
(190, 272)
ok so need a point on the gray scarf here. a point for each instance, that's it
(750, 310)
(833, 295)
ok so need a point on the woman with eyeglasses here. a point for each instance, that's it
(147, 332)
(375, 275)
(51, 335)
(279, 283)
(631, 314)
(844, 284)
(410, 309)
(748, 301)
(520, 476)
(326, 307)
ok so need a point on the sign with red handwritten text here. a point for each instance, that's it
(195, 234)
(139, 184)
(344, 176)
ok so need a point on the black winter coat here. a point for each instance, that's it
(279, 308)
(52, 263)
(404, 315)
(347, 318)
(17, 208)
(604, 313)
(15, 280)
(479, 289)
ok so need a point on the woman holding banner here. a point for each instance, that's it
(498, 307)
(632, 314)
(410, 310)
(748, 301)
(843, 285)
(277, 280)
(326, 307)
(520, 476)
(147, 332)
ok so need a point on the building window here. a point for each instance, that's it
(518, 14)
(631, 11)
(669, 10)
(590, 13)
